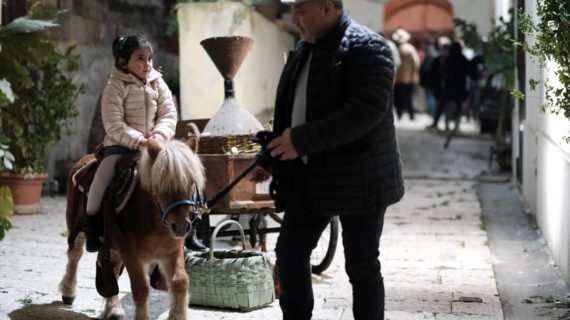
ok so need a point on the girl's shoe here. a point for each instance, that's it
(92, 229)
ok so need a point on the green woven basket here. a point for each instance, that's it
(232, 279)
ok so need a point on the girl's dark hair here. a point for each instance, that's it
(123, 48)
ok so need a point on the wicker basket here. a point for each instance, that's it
(233, 279)
(224, 144)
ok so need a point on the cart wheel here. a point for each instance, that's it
(322, 256)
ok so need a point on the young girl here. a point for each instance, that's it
(136, 106)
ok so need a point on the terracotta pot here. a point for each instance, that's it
(25, 192)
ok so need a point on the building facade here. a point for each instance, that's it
(541, 156)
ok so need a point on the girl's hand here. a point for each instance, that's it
(157, 137)
(143, 144)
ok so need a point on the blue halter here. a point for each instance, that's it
(174, 205)
(196, 201)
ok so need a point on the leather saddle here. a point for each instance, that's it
(116, 197)
(120, 189)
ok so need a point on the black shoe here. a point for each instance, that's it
(193, 243)
(92, 228)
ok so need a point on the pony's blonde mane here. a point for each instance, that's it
(174, 172)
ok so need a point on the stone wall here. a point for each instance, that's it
(92, 26)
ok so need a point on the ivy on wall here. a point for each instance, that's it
(552, 44)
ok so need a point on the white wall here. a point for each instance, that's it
(366, 12)
(546, 165)
(479, 12)
(502, 9)
(201, 85)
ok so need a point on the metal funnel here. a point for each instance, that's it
(227, 53)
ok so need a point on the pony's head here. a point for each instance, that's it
(171, 172)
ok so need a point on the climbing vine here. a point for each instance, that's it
(551, 35)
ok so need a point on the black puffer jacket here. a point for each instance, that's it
(349, 137)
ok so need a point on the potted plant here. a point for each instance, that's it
(36, 101)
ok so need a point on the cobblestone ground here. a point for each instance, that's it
(434, 253)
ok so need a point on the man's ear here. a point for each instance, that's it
(329, 7)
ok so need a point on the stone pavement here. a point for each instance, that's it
(434, 251)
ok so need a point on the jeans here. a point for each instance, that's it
(300, 232)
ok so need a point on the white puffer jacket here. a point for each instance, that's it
(133, 111)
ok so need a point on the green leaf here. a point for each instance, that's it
(6, 90)
(8, 164)
(6, 203)
(26, 25)
(9, 155)
(517, 94)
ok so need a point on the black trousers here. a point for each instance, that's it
(403, 99)
(440, 110)
(300, 232)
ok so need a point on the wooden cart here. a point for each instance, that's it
(244, 198)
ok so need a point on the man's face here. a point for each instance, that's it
(310, 17)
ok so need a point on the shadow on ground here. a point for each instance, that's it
(54, 310)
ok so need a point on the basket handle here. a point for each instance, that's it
(215, 233)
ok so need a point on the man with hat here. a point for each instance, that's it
(335, 153)
(407, 75)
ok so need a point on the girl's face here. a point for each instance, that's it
(140, 63)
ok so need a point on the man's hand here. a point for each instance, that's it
(282, 147)
(258, 175)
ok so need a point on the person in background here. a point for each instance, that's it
(395, 54)
(407, 75)
(456, 70)
(335, 153)
(436, 79)
(426, 80)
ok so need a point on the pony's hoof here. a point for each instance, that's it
(116, 315)
(67, 300)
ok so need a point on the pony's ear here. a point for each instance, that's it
(194, 137)
(192, 142)
(153, 148)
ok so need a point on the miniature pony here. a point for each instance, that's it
(154, 223)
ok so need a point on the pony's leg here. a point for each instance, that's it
(139, 287)
(113, 308)
(69, 281)
(177, 280)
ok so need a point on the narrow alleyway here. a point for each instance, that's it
(435, 253)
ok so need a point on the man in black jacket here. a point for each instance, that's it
(336, 153)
